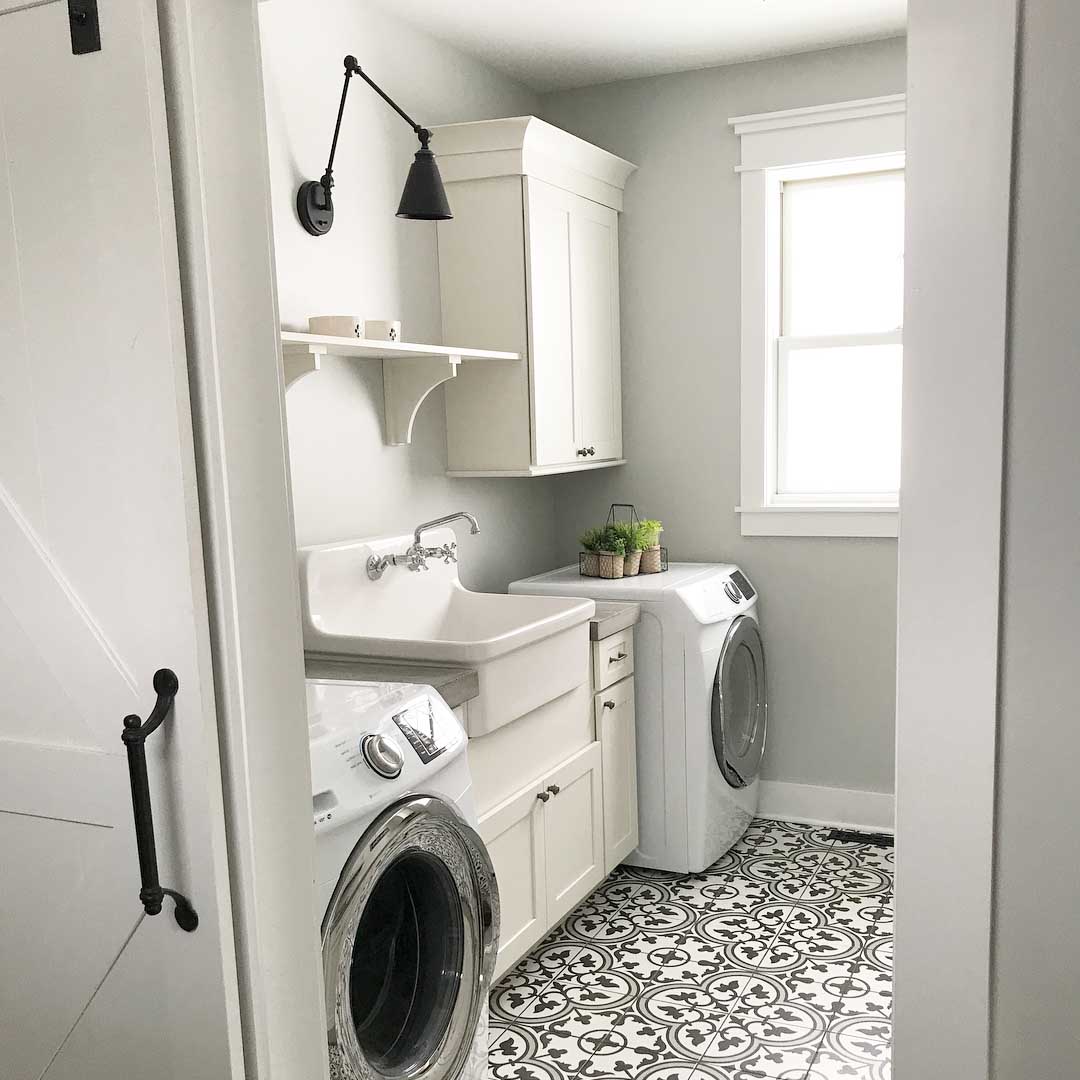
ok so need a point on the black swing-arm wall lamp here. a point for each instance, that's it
(424, 198)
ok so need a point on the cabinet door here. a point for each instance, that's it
(551, 367)
(615, 724)
(594, 326)
(513, 833)
(573, 831)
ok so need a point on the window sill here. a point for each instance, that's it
(819, 521)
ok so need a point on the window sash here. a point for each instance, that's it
(825, 173)
(785, 345)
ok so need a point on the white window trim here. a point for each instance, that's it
(822, 140)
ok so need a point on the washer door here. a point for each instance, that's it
(409, 942)
(740, 703)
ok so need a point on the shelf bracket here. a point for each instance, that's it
(407, 381)
(300, 360)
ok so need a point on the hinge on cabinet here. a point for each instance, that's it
(85, 29)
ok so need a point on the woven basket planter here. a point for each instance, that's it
(589, 564)
(651, 561)
(611, 564)
(632, 564)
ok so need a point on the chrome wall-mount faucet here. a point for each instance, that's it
(415, 557)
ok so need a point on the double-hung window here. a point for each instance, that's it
(822, 311)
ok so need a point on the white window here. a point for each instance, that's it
(822, 311)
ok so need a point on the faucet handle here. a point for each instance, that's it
(449, 552)
(417, 558)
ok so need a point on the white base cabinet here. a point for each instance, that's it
(546, 843)
(615, 725)
(556, 828)
(514, 836)
(574, 831)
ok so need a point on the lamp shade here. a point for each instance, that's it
(424, 197)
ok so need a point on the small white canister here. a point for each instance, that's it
(382, 329)
(336, 326)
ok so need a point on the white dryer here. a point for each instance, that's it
(407, 904)
(701, 701)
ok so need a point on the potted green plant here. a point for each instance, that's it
(590, 543)
(651, 562)
(634, 536)
(605, 553)
(612, 553)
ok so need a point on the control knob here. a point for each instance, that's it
(383, 755)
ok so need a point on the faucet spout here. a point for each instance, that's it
(474, 526)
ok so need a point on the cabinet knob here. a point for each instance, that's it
(554, 789)
(543, 796)
(609, 704)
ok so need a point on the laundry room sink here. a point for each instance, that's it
(526, 650)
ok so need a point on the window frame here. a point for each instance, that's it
(833, 140)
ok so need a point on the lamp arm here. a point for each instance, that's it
(352, 67)
(328, 175)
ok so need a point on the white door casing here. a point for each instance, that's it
(102, 578)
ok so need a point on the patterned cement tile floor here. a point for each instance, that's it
(775, 962)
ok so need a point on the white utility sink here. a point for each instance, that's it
(527, 650)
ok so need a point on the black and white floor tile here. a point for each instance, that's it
(775, 963)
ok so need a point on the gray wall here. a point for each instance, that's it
(346, 482)
(829, 604)
(1036, 970)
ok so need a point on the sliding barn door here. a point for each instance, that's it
(101, 577)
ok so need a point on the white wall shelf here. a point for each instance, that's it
(410, 371)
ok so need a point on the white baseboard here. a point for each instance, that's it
(846, 807)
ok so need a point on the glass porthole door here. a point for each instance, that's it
(409, 942)
(740, 703)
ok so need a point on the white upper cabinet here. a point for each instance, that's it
(530, 264)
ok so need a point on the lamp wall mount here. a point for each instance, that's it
(423, 199)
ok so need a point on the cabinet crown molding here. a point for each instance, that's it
(529, 146)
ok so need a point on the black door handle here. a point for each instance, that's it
(134, 737)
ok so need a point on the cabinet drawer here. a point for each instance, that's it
(613, 658)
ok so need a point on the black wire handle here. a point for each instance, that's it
(152, 895)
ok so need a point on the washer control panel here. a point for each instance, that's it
(417, 724)
(371, 742)
(739, 580)
(720, 595)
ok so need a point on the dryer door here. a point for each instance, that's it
(409, 942)
(740, 703)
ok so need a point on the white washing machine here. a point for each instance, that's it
(407, 904)
(701, 701)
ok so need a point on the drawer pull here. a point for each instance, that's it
(554, 789)
(609, 704)
(618, 658)
(543, 796)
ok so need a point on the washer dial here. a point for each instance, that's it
(383, 755)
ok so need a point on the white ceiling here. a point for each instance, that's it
(557, 44)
